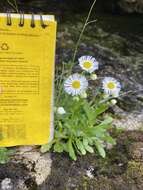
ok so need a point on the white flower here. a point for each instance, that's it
(111, 86)
(93, 77)
(88, 63)
(61, 110)
(113, 101)
(75, 85)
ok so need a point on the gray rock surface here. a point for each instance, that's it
(6, 184)
(132, 121)
(26, 171)
(131, 6)
(62, 7)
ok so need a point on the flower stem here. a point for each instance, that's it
(13, 4)
(82, 31)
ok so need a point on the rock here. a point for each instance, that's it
(121, 6)
(129, 121)
(39, 165)
(26, 170)
(64, 7)
(6, 184)
(89, 172)
(57, 7)
(18, 175)
(136, 151)
(131, 6)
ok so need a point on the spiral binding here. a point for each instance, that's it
(21, 20)
(9, 22)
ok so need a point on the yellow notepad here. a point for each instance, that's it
(27, 51)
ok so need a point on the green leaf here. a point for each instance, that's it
(100, 149)
(80, 146)
(93, 113)
(46, 147)
(60, 135)
(95, 131)
(65, 147)
(109, 139)
(85, 141)
(5, 155)
(106, 124)
(3, 150)
(101, 109)
(71, 150)
(87, 108)
(90, 112)
(108, 120)
(58, 147)
(89, 149)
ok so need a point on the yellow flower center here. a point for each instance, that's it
(76, 84)
(87, 65)
(111, 85)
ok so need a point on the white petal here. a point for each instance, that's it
(68, 84)
(113, 92)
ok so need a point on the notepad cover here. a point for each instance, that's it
(26, 81)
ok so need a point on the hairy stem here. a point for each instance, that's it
(82, 31)
(13, 4)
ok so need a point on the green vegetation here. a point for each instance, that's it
(5, 155)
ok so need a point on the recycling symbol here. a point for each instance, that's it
(4, 46)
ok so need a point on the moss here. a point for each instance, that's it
(134, 171)
(118, 171)
(98, 184)
(132, 177)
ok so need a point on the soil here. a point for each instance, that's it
(120, 170)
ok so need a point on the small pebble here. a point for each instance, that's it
(6, 184)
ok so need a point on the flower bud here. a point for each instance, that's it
(61, 110)
(93, 77)
(83, 95)
(113, 101)
(76, 98)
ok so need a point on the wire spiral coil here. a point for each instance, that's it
(21, 20)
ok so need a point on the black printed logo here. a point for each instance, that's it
(4, 46)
